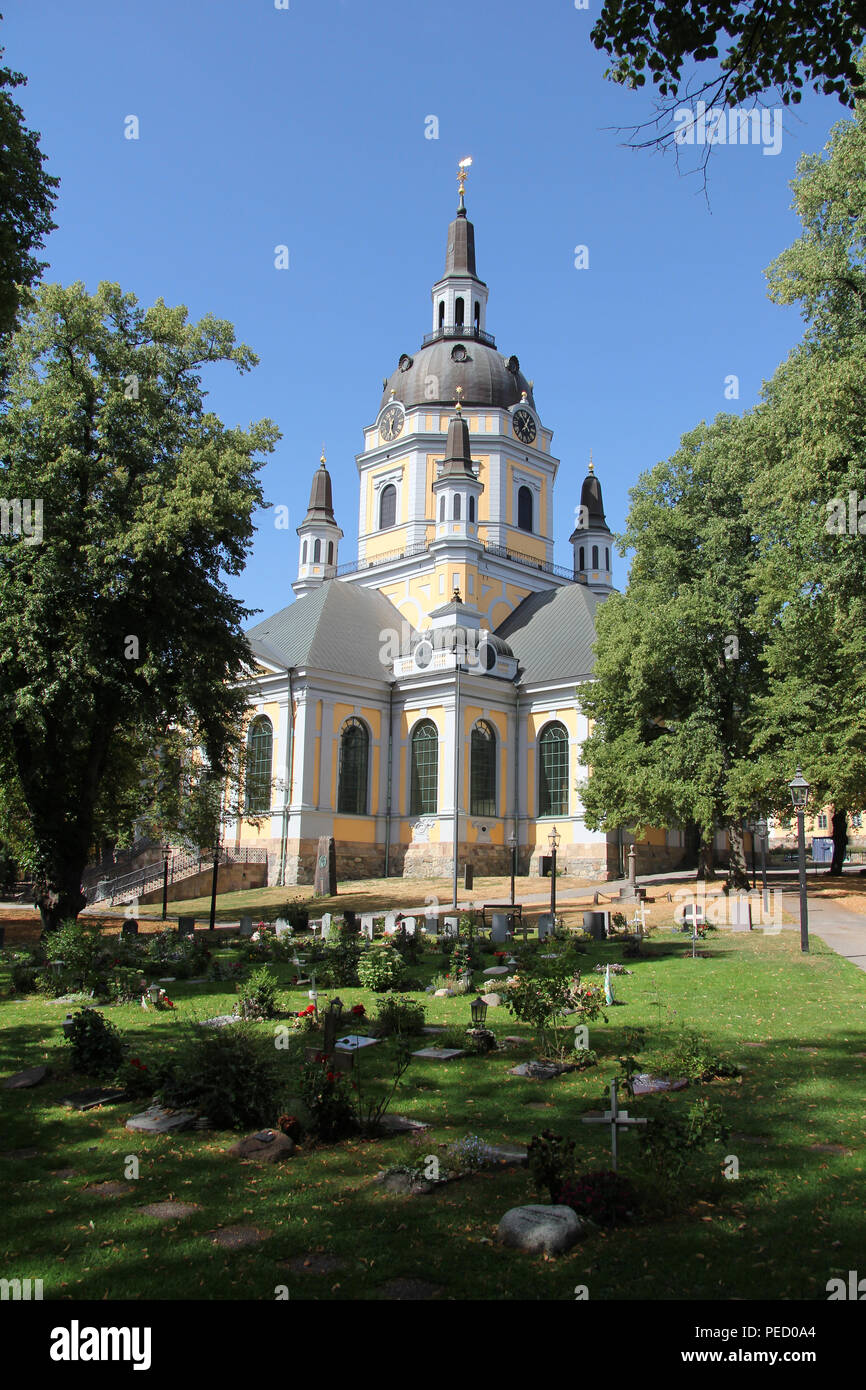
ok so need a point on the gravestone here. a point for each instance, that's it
(741, 912)
(540, 1230)
(499, 928)
(157, 1120)
(545, 926)
(326, 926)
(92, 1097)
(409, 926)
(129, 927)
(439, 1054)
(23, 1080)
(2, 935)
(390, 923)
(450, 926)
(246, 927)
(325, 883)
(186, 926)
(268, 1146)
(282, 927)
(353, 1042)
(431, 923)
(367, 925)
(596, 924)
(608, 987)
(468, 876)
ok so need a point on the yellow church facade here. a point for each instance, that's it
(421, 700)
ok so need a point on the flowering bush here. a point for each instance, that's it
(398, 1014)
(381, 968)
(135, 1077)
(540, 999)
(470, 1155)
(604, 1197)
(181, 956)
(306, 1021)
(324, 1092)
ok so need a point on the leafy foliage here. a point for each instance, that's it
(671, 1141)
(258, 996)
(605, 1197)
(550, 1160)
(397, 1013)
(381, 968)
(97, 1049)
(232, 1075)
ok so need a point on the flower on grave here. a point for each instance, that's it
(134, 1062)
(256, 936)
(358, 1010)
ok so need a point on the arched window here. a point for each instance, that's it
(582, 561)
(317, 552)
(477, 314)
(304, 553)
(458, 309)
(260, 749)
(388, 507)
(595, 557)
(330, 552)
(441, 313)
(524, 508)
(607, 557)
(457, 506)
(354, 759)
(482, 776)
(471, 508)
(553, 770)
(442, 507)
(424, 769)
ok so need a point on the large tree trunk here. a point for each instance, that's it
(62, 898)
(738, 873)
(707, 856)
(840, 838)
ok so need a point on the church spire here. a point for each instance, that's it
(319, 533)
(460, 298)
(592, 539)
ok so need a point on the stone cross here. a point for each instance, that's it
(613, 1117)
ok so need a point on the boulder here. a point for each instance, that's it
(443, 994)
(540, 1230)
(267, 1146)
(492, 1000)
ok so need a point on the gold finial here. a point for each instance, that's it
(461, 176)
(591, 464)
(393, 392)
(523, 395)
(458, 391)
(323, 460)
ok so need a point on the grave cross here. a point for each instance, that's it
(613, 1117)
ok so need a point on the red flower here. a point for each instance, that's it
(330, 1076)
(358, 1009)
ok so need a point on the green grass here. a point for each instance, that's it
(792, 1221)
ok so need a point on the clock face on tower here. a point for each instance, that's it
(391, 423)
(524, 426)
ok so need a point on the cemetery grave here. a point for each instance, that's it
(224, 1205)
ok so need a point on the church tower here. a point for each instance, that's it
(592, 538)
(320, 536)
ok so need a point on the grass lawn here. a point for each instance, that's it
(793, 1219)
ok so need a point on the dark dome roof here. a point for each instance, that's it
(484, 375)
(590, 497)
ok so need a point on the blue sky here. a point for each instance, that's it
(306, 127)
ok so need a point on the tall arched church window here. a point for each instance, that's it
(607, 557)
(553, 770)
(524, 508)
(441, 313)
(442, 507)
(477, 313)
(304, 553)
(354, 760)
(459, 308)
(260, 750)
(388, 507)
(595, 557)
(471, 508)
(317, 552)
(482, 776)
(457, 506)
(330, 552)
(424, 769)
(581, 564)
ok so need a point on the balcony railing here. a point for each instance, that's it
(516, 556)
(459, 330)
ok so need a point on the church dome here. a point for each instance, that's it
(485, 376)
(463, 641)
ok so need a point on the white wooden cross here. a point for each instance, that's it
(613, 1117)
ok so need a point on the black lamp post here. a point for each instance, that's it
(763, 829)
(478, 1010)
(799, 796)
(166, 851)
(553, 840)
(512, 845)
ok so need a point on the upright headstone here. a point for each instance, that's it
(390, 923)
(450, 926)
(545, 925)
(409, 925)
(246, 928)
(186, 926)
(468, 876)
(326, 925)
(499, 928)
(282, 927)
(325, 885)
(128, 928)
(431, 923)
(367, 925)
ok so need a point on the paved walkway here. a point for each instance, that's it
(844, 931)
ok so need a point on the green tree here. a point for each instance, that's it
(808, 498)
(27, 200)
(751, 46)
(118, 617)
(678, 654)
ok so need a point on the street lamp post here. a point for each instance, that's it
(763, 829)
(553, 840)
(166, 851)
(512, 845)
(799, 788)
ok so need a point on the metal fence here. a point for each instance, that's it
(125, 887)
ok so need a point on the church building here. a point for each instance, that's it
(423, 696)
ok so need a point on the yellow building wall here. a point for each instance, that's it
(249, 834)
(568, 716)
(408, 720)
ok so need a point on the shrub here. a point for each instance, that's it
(232, 1075)
(605, 1197)
(24, 976)
(407, 944)
(694, 1058)
(550, 1160)
(221, 970)
(181, 956)
(470, 1155)
(340, 965)
(540, 998)
(135, 1077)
(398, 1014)
(671, 1140)
(465, 956)
(86, 956)
(96, 1046)
(324, 1092)
(258, 996)
(381, 968)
